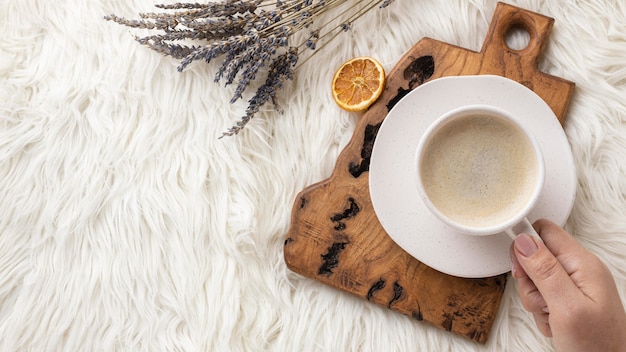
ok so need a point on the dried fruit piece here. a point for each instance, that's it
(358, 83)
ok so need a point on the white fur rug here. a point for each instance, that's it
(126, 224)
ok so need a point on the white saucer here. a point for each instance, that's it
(396, 200)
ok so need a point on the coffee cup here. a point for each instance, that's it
(480, 171)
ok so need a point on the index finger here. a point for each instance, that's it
(545, 270)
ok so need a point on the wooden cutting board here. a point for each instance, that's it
(335, 237)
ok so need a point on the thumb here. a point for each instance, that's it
(545, 270)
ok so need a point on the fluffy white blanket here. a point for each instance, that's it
(126, 224)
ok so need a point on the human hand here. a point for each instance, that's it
(570, 292)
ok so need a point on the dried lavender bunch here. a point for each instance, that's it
(249, 36)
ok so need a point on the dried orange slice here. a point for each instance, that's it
(358, 83)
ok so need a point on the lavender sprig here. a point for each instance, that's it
(281, 69)
(252, 37)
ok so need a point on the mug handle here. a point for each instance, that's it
(523, 227)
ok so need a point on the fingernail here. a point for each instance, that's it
(514, 272)
(514, 266)
(525, 245)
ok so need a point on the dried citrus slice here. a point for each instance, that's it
(358, 83)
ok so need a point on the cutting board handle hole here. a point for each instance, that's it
(517, 37)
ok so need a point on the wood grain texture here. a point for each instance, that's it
(335, 236)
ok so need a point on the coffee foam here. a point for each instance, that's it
(479, 170)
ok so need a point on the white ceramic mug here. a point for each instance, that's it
(480, 171)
